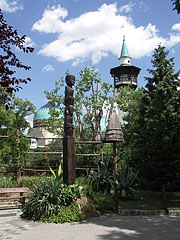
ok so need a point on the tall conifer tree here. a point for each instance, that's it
(156, 130)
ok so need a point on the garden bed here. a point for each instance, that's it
(98, 203)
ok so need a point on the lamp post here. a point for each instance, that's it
(114, 134)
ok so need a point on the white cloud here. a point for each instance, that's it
(127, 8)
(94, 35)
(11, 6)
(29, 42)
(48, 68)
(176, 27)
(51, 20)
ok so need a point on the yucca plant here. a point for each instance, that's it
(48, 198)
(44, 200)
(125, 179)
(102, 178)
(58, 174)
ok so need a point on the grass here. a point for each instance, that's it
(151, 200)
(143, 200)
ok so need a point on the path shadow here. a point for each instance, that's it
(138, 227)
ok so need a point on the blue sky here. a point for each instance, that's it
(71, 34)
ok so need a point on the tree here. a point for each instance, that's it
(176, 4)
(9, 39)
(15, 117)
(56, 110)
(91, 97)
(11, 120)
(154, 123)
(22, 109)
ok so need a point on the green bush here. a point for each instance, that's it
(126, 179)
(66, 214)
(48, 198)
(102, 179)
(8, 182)
(102, 203)
(30, 181)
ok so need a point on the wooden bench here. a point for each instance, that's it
(11, 191)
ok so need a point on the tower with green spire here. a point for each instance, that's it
(125, 75)
(124, 57)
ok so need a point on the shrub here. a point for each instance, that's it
(66, 214)
(48, 198)
(101, 203)
(102, 179)
(30, 181)
(126, 179)
(8, 182)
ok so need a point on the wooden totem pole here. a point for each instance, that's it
(68, 140)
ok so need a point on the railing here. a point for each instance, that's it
(39, 169)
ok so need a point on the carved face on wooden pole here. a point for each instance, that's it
(70, 80)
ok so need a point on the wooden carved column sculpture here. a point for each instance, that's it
(68, 140)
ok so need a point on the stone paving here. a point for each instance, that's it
(11, 225)
(102, 228)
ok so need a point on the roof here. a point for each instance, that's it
(129, 69)
(124, 50)
(43, 113)
(114, 132)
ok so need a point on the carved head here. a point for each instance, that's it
(71, 110)
(70, 80)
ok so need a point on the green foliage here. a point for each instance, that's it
(8, 182)
(11, 120)
(48, 198)
(30, 181)
(125, 179)
(101, 203)
(58, 175)
(7, 119)
(12, 150)
(66, 214)
(56, 110)
(153, 124)
(91, 96)
(102, 179)
(87, 161)
(55, 145)
(15, 117)
(22, 108)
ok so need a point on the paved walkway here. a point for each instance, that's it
(11, 224)
(102, 228)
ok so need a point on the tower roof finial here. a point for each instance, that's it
(124, 50)
(124, 37)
